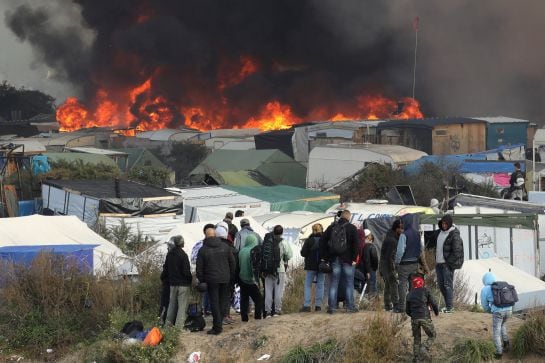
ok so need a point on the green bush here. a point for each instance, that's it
(530, 336)
(328, 351)
(473, 351)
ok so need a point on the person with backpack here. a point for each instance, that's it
(249, 260)
(516, 183)
(387, 266)
(370, 263)
(245, 231)
(339, 246)
(276, 252)
(498, 298)
(311, 252)
(418, 304)
(178, 275)
(222, 232)
(408, 252)
(216, 267)
(449, 256)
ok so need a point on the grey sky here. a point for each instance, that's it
(17, 65)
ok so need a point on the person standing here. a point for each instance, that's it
(311, 252)
(500, 315)
(194, 254)
(222, 232)
(339, 245)
(407, 256)
(231, 228)
(449, 256)
(178, 274)
(245, 230)
(370, 263)
(249, 259)
(387, 266)
(165, 287)
(517, 183)
(276, 252)
(216, 267)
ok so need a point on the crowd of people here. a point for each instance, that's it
(239, 268)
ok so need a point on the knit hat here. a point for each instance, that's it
(417, 282)
(244, 222)
(222, 230)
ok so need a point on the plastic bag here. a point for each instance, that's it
(153, 338)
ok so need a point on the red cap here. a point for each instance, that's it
(417, 282)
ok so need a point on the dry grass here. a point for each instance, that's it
(530, 337)
(294, 291)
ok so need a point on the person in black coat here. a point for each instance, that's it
(178, 275)
(370, 263)
(311, 253)
(387, 266)
(216, 267)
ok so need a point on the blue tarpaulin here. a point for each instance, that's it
(81, 255)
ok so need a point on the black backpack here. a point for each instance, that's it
(337, 239)
(505, 295)
(255, 260)
(270, 255)
(195, 320)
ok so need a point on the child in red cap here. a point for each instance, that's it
(419, 300)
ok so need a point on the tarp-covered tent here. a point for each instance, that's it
(284, 198)
(87, 199)
(530, 289)
(62, 231)
(211, 203)
(192, 233)
(273, 166)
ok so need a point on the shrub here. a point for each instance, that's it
(530, 336)
(294, 291)
(473, 351)
(328, 351)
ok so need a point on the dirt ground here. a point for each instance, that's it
(245, 342)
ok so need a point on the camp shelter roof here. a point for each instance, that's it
(428, 122)
(286, 198)
(530, 290)
(167, 134)
(362, 211)
(501, 120)
(276, 139)
(84, 157)
(137, 154)
(193, 233)
(244, 178)
(19, 129)
(399, 154)
(30, 146)
(97, 151)
(37, 230)
(501, 204)
(272, 164)
(106, 188)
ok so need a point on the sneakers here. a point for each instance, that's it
(278, 313)
(305, 309)
(228, 321)
(353, 310)
(330, 311)
(213, 332)
(317, 308)
(505, 346)
(447, 310)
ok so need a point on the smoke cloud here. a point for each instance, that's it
(474, 58)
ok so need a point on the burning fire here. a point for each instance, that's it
(142, 108)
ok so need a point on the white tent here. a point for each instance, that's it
(297, 227)
(37, 230)
(531, 290)
(211, 203)
(192, 233)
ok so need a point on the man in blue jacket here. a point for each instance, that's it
(499, 315)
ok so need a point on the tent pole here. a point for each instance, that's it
(534, 164)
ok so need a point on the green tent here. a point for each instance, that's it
(284, 198)
(262, 167)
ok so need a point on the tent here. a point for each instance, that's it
(297, 227)
(62, 234)
(192, 233)
(211, 203)
(284, 198)
(88, 199)
(531, 290)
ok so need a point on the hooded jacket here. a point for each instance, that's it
(388, 250)
(487, 299)
(246, 273)
(241, 235)
(453, 248)
(352, 242)
(215, 262)
(417, 303)
(409, 247)
(311, 252)
(177, 268)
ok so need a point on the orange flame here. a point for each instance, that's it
(274, 116)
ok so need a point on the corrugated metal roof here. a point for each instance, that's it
(501, 119)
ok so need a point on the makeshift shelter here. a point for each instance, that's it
(530, 289)
(211, 203)
(89, 199)
(266, 167)
(192, 233)
(297, 227)
(330, 164)
(503, 130)
(284, 198)
(23, 237)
